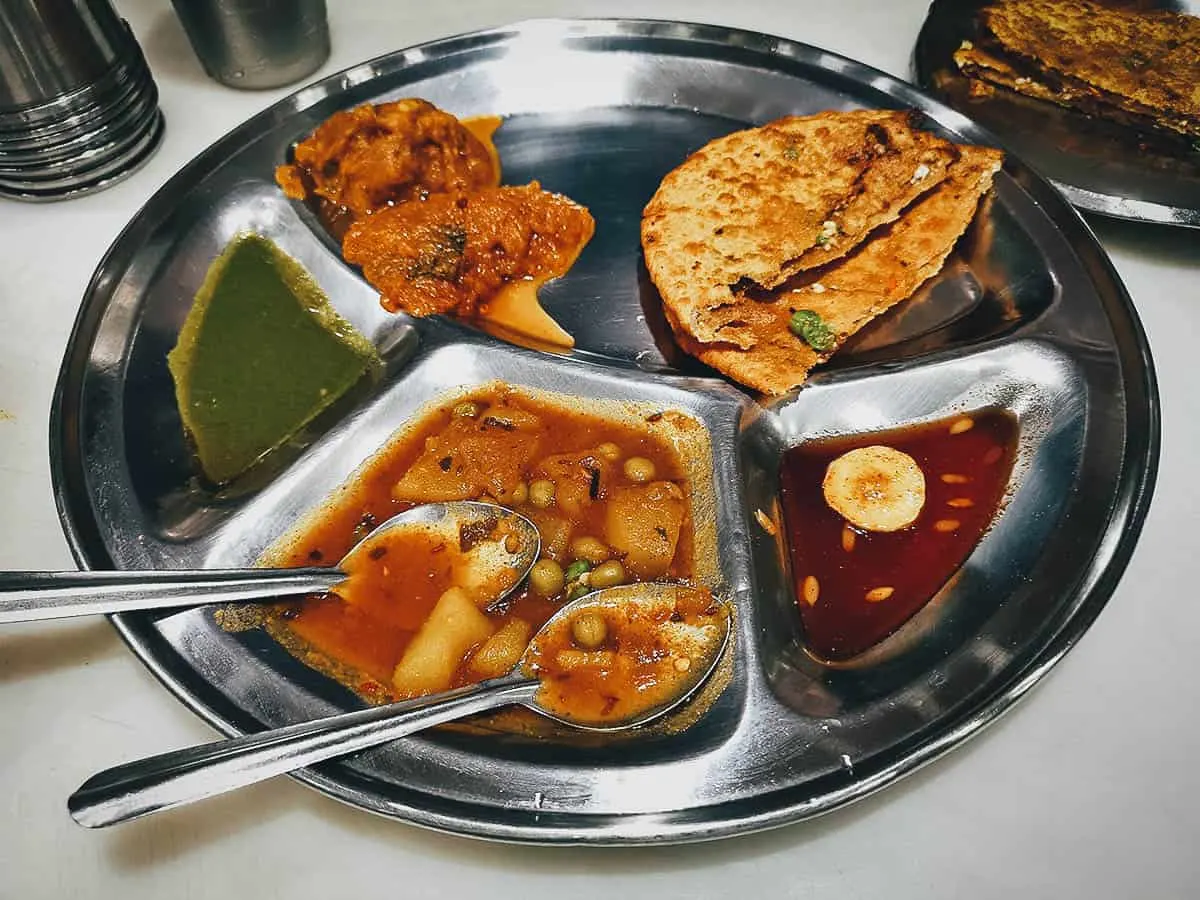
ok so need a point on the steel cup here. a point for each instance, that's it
(50, 48)
(256, 44)
(78, 106)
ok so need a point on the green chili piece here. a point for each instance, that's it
(809, 327)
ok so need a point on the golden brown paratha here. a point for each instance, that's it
(1144, 62)
(976, 62)
(986, 67)
(756, 206)
(849, 293)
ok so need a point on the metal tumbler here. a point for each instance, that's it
(256, 44)
(78, 106)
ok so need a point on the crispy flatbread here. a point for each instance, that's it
(1143, 62)
(985, 66)
(975, 62)
(849, 293)
(757, 206)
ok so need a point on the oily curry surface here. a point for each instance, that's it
(620, 658)
(611, 498)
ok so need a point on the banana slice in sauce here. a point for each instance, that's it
(875, 488)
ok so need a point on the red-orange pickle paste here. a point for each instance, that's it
(855, 587)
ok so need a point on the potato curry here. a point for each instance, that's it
(610, 498)
(623, 656)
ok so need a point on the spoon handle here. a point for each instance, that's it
(183, 776)
(26, 596)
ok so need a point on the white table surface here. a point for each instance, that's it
(1087, 789)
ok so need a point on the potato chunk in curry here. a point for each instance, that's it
(453, 627)
(643, 522)
(580, 479)
(472, 456)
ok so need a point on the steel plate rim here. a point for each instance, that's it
(1128, 511)
(1127, 209)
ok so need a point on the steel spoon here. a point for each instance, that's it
(29, 596)
(173, 779)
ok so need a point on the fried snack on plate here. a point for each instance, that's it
(454, 253)
(757, 206)
(372, 156)
(849, 293)
(1138, 66)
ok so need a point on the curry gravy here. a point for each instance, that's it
(492, 444)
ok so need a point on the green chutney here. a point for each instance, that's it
(261, 354)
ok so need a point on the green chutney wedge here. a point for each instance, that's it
(261, 354)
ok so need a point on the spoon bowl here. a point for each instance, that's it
(646, 663)
(564, 660)
(514, 540)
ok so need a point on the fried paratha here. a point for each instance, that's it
(988, 70)
(976, 62)
(757, 206)
(849, 293)
(1144, 63)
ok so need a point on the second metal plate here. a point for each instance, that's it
(1102, 168)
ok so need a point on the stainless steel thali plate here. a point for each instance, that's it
(1102, 168)
(1028, 316)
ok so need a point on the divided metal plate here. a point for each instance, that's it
(1101, 168)
(1027, 316)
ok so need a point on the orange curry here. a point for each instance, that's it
(364, 159)
(454, 252)
(618, 659)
